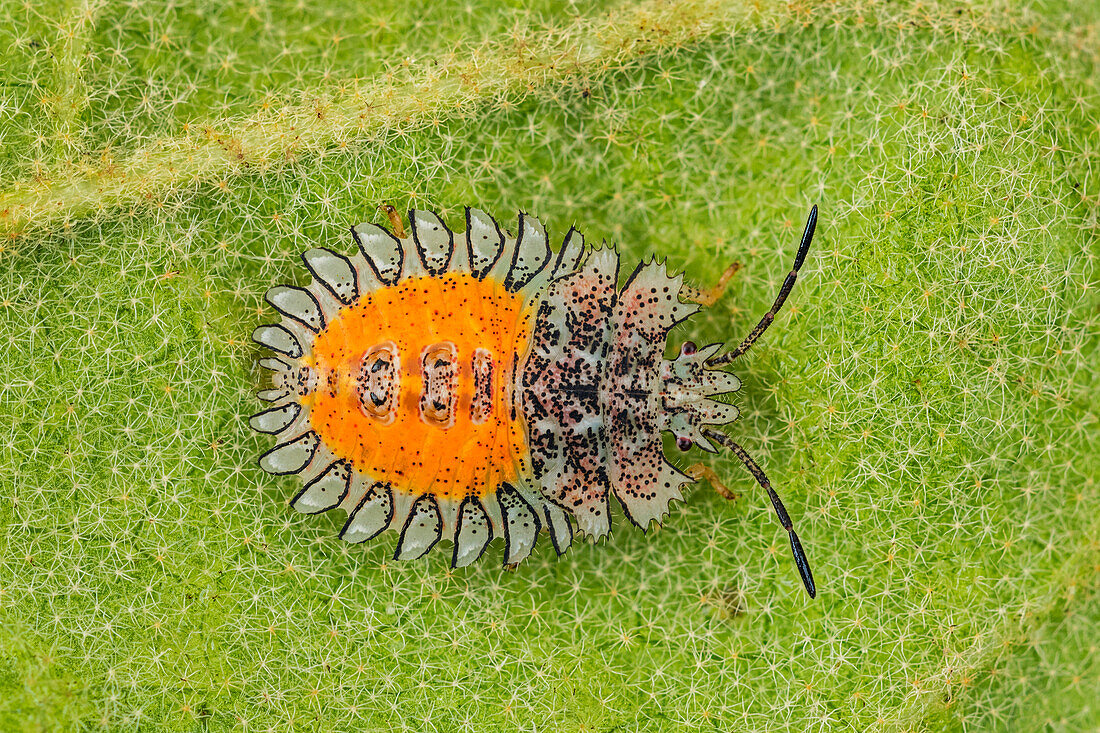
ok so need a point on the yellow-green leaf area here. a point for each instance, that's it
(926, 403)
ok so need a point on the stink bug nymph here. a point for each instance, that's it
(480, 385)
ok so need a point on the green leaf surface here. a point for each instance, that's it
(926, 404)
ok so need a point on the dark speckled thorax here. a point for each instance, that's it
(596, 392)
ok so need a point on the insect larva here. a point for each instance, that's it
(480, 385)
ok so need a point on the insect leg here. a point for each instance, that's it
(780, 511)
(703, 471)
(395, 220)
(784, 291)
(711, 295)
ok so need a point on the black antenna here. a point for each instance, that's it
(788, 285)
(780, 510)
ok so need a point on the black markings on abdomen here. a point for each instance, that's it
(481, 405)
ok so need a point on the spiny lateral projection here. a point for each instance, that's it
(466, 387)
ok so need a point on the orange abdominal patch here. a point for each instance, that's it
(415, 384)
